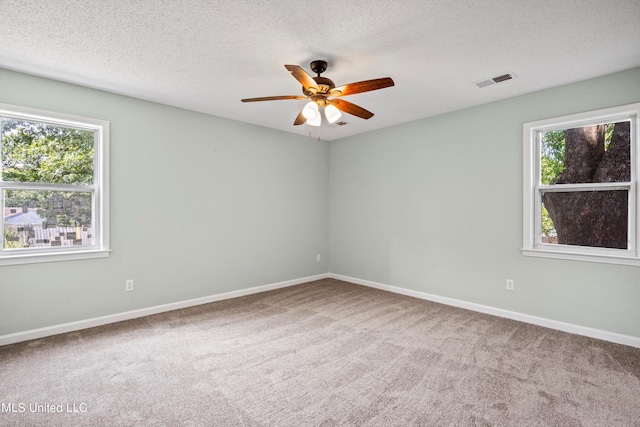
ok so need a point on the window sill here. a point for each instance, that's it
(578, 256)
(33, 258)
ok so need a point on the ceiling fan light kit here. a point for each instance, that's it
(311, 112)
(322, 92)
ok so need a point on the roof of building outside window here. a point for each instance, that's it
(24, 218)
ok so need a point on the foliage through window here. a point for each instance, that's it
(53, 186)
(580, 195)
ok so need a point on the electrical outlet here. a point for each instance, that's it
(128, 285)
(509, 284)
(318, 258)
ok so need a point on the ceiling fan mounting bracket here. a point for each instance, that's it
(318, 67)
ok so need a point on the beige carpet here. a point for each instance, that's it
(324, 353)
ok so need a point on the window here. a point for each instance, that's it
(580, 186)
(53, 186)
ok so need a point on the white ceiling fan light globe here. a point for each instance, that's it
(312, 114)
(310, 111)
(316, 121)
(332, 113)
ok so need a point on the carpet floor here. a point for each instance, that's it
(325, 353)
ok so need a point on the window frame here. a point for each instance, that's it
(533, 189)
(99, 189)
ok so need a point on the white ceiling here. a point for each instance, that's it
(206, 55)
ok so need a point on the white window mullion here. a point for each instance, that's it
(632, 236)
(38, 186)
(537, 217)
(596, 186)
(634, 198)
(2, 221)
(530, 183)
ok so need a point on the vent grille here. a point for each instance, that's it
(494, 80)
(485, 83)
(502, 78)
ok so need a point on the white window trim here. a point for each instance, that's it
(100, 188)
(532, 189)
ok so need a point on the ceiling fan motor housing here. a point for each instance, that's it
(324, 86)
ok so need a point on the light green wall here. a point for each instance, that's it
(436, 206)
(433, 206)
(199, 206)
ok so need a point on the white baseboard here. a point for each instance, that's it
(133, 314)
(535, 320)
(104, 320)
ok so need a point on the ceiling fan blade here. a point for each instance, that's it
(300, 119)
(351, 108)
(363, 86)
(301, 75)
(273, 98)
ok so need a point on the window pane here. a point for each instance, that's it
(599, 153)
(586, 218)
(35, 219)
(39, 152)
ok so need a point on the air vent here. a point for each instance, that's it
(485, 83)
(502, 78)
(341, 123)
(494, 80)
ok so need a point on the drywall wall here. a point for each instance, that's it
(435, 206)
(199, 206)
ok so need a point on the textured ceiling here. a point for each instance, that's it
(207, 55)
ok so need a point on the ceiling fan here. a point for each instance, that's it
(323, 93)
